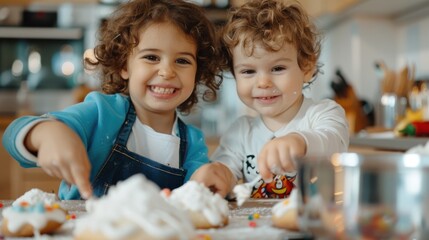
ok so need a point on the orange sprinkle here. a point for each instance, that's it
(24, 204)
(166, 192)
(49, 208)
(204, 237)
(286, 202)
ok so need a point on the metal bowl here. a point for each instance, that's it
(365, 196)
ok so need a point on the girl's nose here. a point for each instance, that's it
(166, 71)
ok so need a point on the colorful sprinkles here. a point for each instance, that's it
(38, 207)
(251, 218)
(70, 216)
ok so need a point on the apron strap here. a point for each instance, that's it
(127, 126)
(183, 142)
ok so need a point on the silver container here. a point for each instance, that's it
(365, 196)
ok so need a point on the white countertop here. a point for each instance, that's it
(387, 141)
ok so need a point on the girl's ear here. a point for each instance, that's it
(124, 74)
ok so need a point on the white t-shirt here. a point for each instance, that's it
(162, 148)
(322, 124)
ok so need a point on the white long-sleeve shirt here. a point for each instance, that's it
(322, 124)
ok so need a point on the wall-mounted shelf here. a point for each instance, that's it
(41, 33)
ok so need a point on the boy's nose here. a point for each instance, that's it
(264, 81)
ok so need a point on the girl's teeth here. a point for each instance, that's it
(162, 90)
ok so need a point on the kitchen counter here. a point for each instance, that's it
(237, 228)
(387, 141)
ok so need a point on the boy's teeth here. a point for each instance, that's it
(162, 90)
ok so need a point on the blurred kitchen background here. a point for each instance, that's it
(42, 43)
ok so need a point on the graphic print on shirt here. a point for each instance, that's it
(280, 187)
(248, 162)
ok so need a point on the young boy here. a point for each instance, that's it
(272, 50)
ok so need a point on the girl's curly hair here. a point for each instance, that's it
(119, 35)
(272, 23)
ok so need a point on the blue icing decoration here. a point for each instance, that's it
(39, 207)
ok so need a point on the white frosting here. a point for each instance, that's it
(34, 196)
(38, 220)
(36, 208)
(243, 191)
(132, 206)
(195, 197)
(280, 208)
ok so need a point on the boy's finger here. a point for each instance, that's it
(265, 172)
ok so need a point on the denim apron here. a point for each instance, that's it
(122, 163)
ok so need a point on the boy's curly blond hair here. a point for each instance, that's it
(272, 23)
(119, 35)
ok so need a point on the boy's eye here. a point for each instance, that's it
(278, 68)
(183, 61)
(151, 58)
(247, 71)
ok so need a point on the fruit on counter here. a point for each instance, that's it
(416, 128)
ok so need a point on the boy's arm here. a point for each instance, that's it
(327, 134)
(278, 155)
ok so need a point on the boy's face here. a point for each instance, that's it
(270, 82)
(161, 70)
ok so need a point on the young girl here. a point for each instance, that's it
(272, 50)
(152, 56)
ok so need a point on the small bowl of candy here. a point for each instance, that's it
(365, 196)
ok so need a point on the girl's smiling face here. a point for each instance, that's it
(161, 70)
(270, 82)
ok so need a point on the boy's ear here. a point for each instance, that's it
(309, 72)
(124, 74)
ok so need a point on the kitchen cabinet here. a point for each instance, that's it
(15, 180)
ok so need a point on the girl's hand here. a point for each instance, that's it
(215, 176)
(61, 153)
(277, 156)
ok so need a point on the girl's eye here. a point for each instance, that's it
(151, 58)
(278, 69)
(183, 61)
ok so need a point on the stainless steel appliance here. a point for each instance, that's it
(48, 59)
(365, 196)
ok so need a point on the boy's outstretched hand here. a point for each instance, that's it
(61, 153)
(215, 176)
(277, 156)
